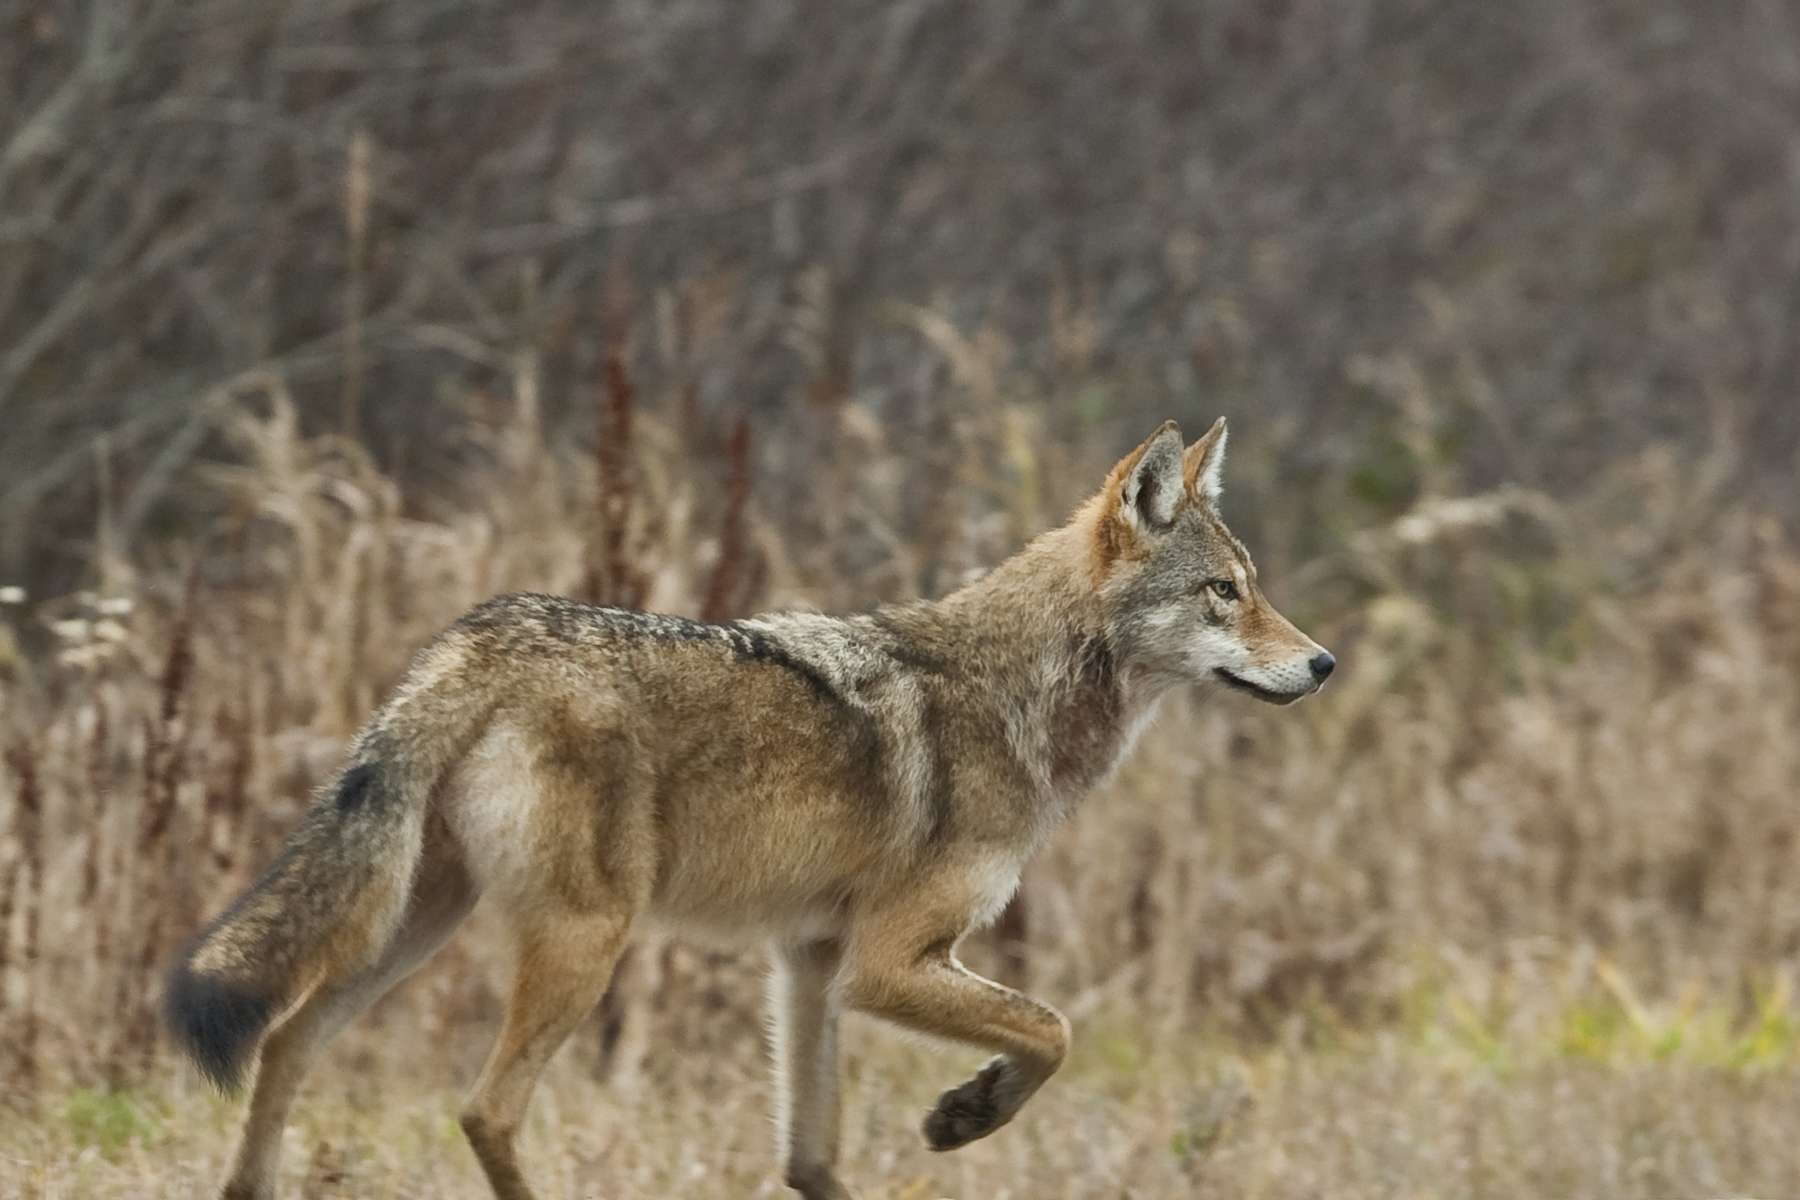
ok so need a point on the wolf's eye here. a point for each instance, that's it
(1224, 589)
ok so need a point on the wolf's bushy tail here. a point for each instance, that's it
(326, 907)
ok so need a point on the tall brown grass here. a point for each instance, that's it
(1562, 744)
(1496, 297)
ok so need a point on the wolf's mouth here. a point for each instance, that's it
(1266, 695)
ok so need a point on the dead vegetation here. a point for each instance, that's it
(1545, 817)
(321, 322)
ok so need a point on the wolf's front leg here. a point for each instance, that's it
(906, 972)
(803, 1017)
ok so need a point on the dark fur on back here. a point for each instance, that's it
(516, 620)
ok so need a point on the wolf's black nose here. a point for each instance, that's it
(1322, 665)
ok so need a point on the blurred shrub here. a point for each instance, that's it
(1569, 226)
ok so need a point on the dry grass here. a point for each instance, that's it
(1380, 1116)
(1498, 298)
(1505, 913)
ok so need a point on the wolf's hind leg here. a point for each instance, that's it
(804, 1015)
(565, 960)
(442, 897)
(903, 970)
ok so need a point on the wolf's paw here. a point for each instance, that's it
(818, 1183)
(972, 1110)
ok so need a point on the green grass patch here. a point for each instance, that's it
(108, 1120)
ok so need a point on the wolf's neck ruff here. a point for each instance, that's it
(1033, 644)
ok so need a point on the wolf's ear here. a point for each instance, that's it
(1204, 462)
(1147, 482)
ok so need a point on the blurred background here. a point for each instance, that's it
(322, 320)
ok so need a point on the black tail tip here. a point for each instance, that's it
(216, 1022)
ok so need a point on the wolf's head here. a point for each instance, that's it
(1181, 594)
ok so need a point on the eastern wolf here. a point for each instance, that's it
(857, 792)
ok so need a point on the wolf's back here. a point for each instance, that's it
(325, 907)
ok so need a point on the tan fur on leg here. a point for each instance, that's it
(901, 967)
(443, 897)
(804, 1020)
(564, 965)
